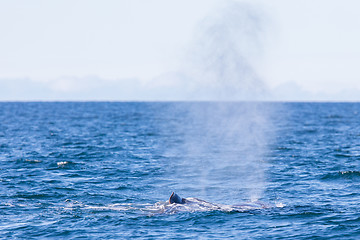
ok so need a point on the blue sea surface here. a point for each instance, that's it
(105, 170)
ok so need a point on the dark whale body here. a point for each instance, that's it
(174, 198)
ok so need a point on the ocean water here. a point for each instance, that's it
(105, 170)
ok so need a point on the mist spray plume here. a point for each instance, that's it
(233, 127)
(226, 46)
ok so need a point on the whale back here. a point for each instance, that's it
(174, 198)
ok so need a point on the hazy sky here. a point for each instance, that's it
(173, 50)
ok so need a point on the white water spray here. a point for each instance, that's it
(222, 58)
(234, 133)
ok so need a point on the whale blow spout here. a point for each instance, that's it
(174, 198)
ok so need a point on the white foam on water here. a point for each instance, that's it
(198, 205)
(62, 163)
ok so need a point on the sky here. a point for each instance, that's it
(279, 50)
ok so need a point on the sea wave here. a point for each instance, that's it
(341, 175)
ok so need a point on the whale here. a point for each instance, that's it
(177, 203)
(174, 198)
